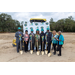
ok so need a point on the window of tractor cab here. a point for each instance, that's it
(37, 21)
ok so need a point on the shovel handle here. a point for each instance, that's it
(46, 42)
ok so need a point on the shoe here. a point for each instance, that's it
(59, 55)
(54, 53)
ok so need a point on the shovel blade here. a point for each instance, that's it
(49, 54)
(42, 52)
(46, 51)
(31, 51)
(38, 52)
(21, 52)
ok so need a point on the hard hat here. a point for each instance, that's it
(37, 29)
(42, 29)
(31, 29)
(19, 28)
(47, 28)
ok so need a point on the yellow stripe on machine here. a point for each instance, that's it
(38, 19)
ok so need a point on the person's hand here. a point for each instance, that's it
(30, 40)
(53, 37)
(26, 42)
(57, 39)
(19, 34)
(36, 40)
(46, 35)
(43, 42)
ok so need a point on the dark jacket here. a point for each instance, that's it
(42, 35)
(49, 37)
(17, 36)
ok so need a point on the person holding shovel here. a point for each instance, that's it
(32, 40)
(18, 34)
(37, 39)
(26, 40)
(48, 39)
(42, 39)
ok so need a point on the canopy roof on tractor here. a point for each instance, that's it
(37, 20)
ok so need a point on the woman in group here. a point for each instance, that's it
(54, 41)
(37, 40)
(60, 42)
(26, 40)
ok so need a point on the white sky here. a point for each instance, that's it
(25, 16)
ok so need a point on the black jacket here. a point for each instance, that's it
(42, 34)
(49, 37)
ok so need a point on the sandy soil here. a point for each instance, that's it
(8, 53)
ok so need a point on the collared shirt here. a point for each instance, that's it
(19, 32)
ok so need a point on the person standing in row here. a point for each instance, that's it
(60, 42)
(26, 40)
(49, 39)
(54, 41)
(32, 39)
(17, 35)
(42, 39)
(37, 39)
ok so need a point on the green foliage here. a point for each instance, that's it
(65, 25)
(7, 24)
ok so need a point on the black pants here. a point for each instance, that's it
(32, 46)
(49, 47)
(26, 46)
(36, 49)
(59, 49)
(43, 46)
(54, 46)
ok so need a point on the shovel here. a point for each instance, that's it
(38, 52)
(31, 51)
(21, 51)
(49, 54)
(42, 52)
(46, 51)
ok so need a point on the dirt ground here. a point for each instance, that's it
(8, 53)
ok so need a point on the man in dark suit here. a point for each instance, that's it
(49, 39)
(42, 39)
(17, 35)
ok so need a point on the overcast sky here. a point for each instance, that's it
(25, 16)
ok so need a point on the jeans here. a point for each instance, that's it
(18, 46)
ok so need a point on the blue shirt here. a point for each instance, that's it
(54, 41)
(62, 40)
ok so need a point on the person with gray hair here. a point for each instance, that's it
(60, 42)
(54, 41)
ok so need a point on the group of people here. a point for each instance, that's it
(40, 39)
